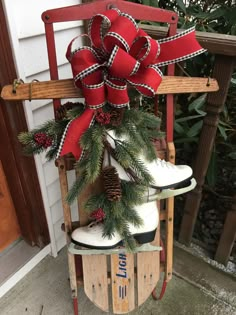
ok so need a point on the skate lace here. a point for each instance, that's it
(164, 163)
(94, 223)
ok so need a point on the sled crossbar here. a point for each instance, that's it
(76, 250)
(63, 89)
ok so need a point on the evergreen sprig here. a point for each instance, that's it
(137, 132)
(133, 162)
(119, 214)
(53, 129)
(92, 142)
(140, 129)
(78, 186)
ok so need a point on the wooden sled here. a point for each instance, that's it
(131, 278)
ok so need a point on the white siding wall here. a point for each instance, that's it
(29, 47)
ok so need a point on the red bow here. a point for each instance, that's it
(121, 53)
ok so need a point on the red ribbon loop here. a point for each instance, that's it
(120, 53)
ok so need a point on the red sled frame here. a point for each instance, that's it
(139, 12)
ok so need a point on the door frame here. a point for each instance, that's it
(20, 170)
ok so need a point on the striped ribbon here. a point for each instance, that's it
(121, 54)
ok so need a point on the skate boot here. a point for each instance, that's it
(167, 177)
(91, 236)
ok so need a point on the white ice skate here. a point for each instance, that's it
(166, 177)
(91, 236)
(169, 179)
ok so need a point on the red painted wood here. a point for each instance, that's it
(170, 97)
(76, 306)
(52, 59)
(86, 11)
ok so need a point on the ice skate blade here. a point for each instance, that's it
(77, 250)
(167, 193)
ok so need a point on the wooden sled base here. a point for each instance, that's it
(130, 279)
(77, 250)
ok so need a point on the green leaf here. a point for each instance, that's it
(200, 112)
(178, 128)
(188, 118)
(222, 132)
(181, 5)
(201, 15)
(233, 81)
(233, 30)
(218, 13)
(186, 140)
(232, 15)
(151, 3)
(197, 103)
(232, 155)
(195, 129)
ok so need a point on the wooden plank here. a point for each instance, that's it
(72, 275)
(228, 237)
(215, 43)
(148, 271)
(64, 190)
(94, 267)
(122, 276)
(56, 89)
(96, 280)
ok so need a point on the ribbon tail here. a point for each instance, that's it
(70, 142)
(179, 47)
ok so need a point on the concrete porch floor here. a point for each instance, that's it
(197, 288)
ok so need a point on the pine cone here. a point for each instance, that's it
(61, 112)
(116, 116)
(111, 183)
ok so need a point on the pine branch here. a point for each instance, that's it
(75, 111)
(132, 193)
(92, 141)
(77, 187)
(95, 202)
(131, 216)
(52, 152)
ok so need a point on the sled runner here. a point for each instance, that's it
(131, 277)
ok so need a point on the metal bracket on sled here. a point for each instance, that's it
(77, 250)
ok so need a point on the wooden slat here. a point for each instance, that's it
(94, 267)
(169, 220)
(96, 280)
(122, 275)
(64, 190)
(62, 89)
(148, 271)
(72, 275)
(215, 43)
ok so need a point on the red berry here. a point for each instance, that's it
(98, 214)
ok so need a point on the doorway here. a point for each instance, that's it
(21, 205)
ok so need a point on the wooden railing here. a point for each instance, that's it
(224, 49)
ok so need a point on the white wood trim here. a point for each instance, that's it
(48, 213)
(29, 117)
(11, 282)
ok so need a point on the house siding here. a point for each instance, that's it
(30, 54)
